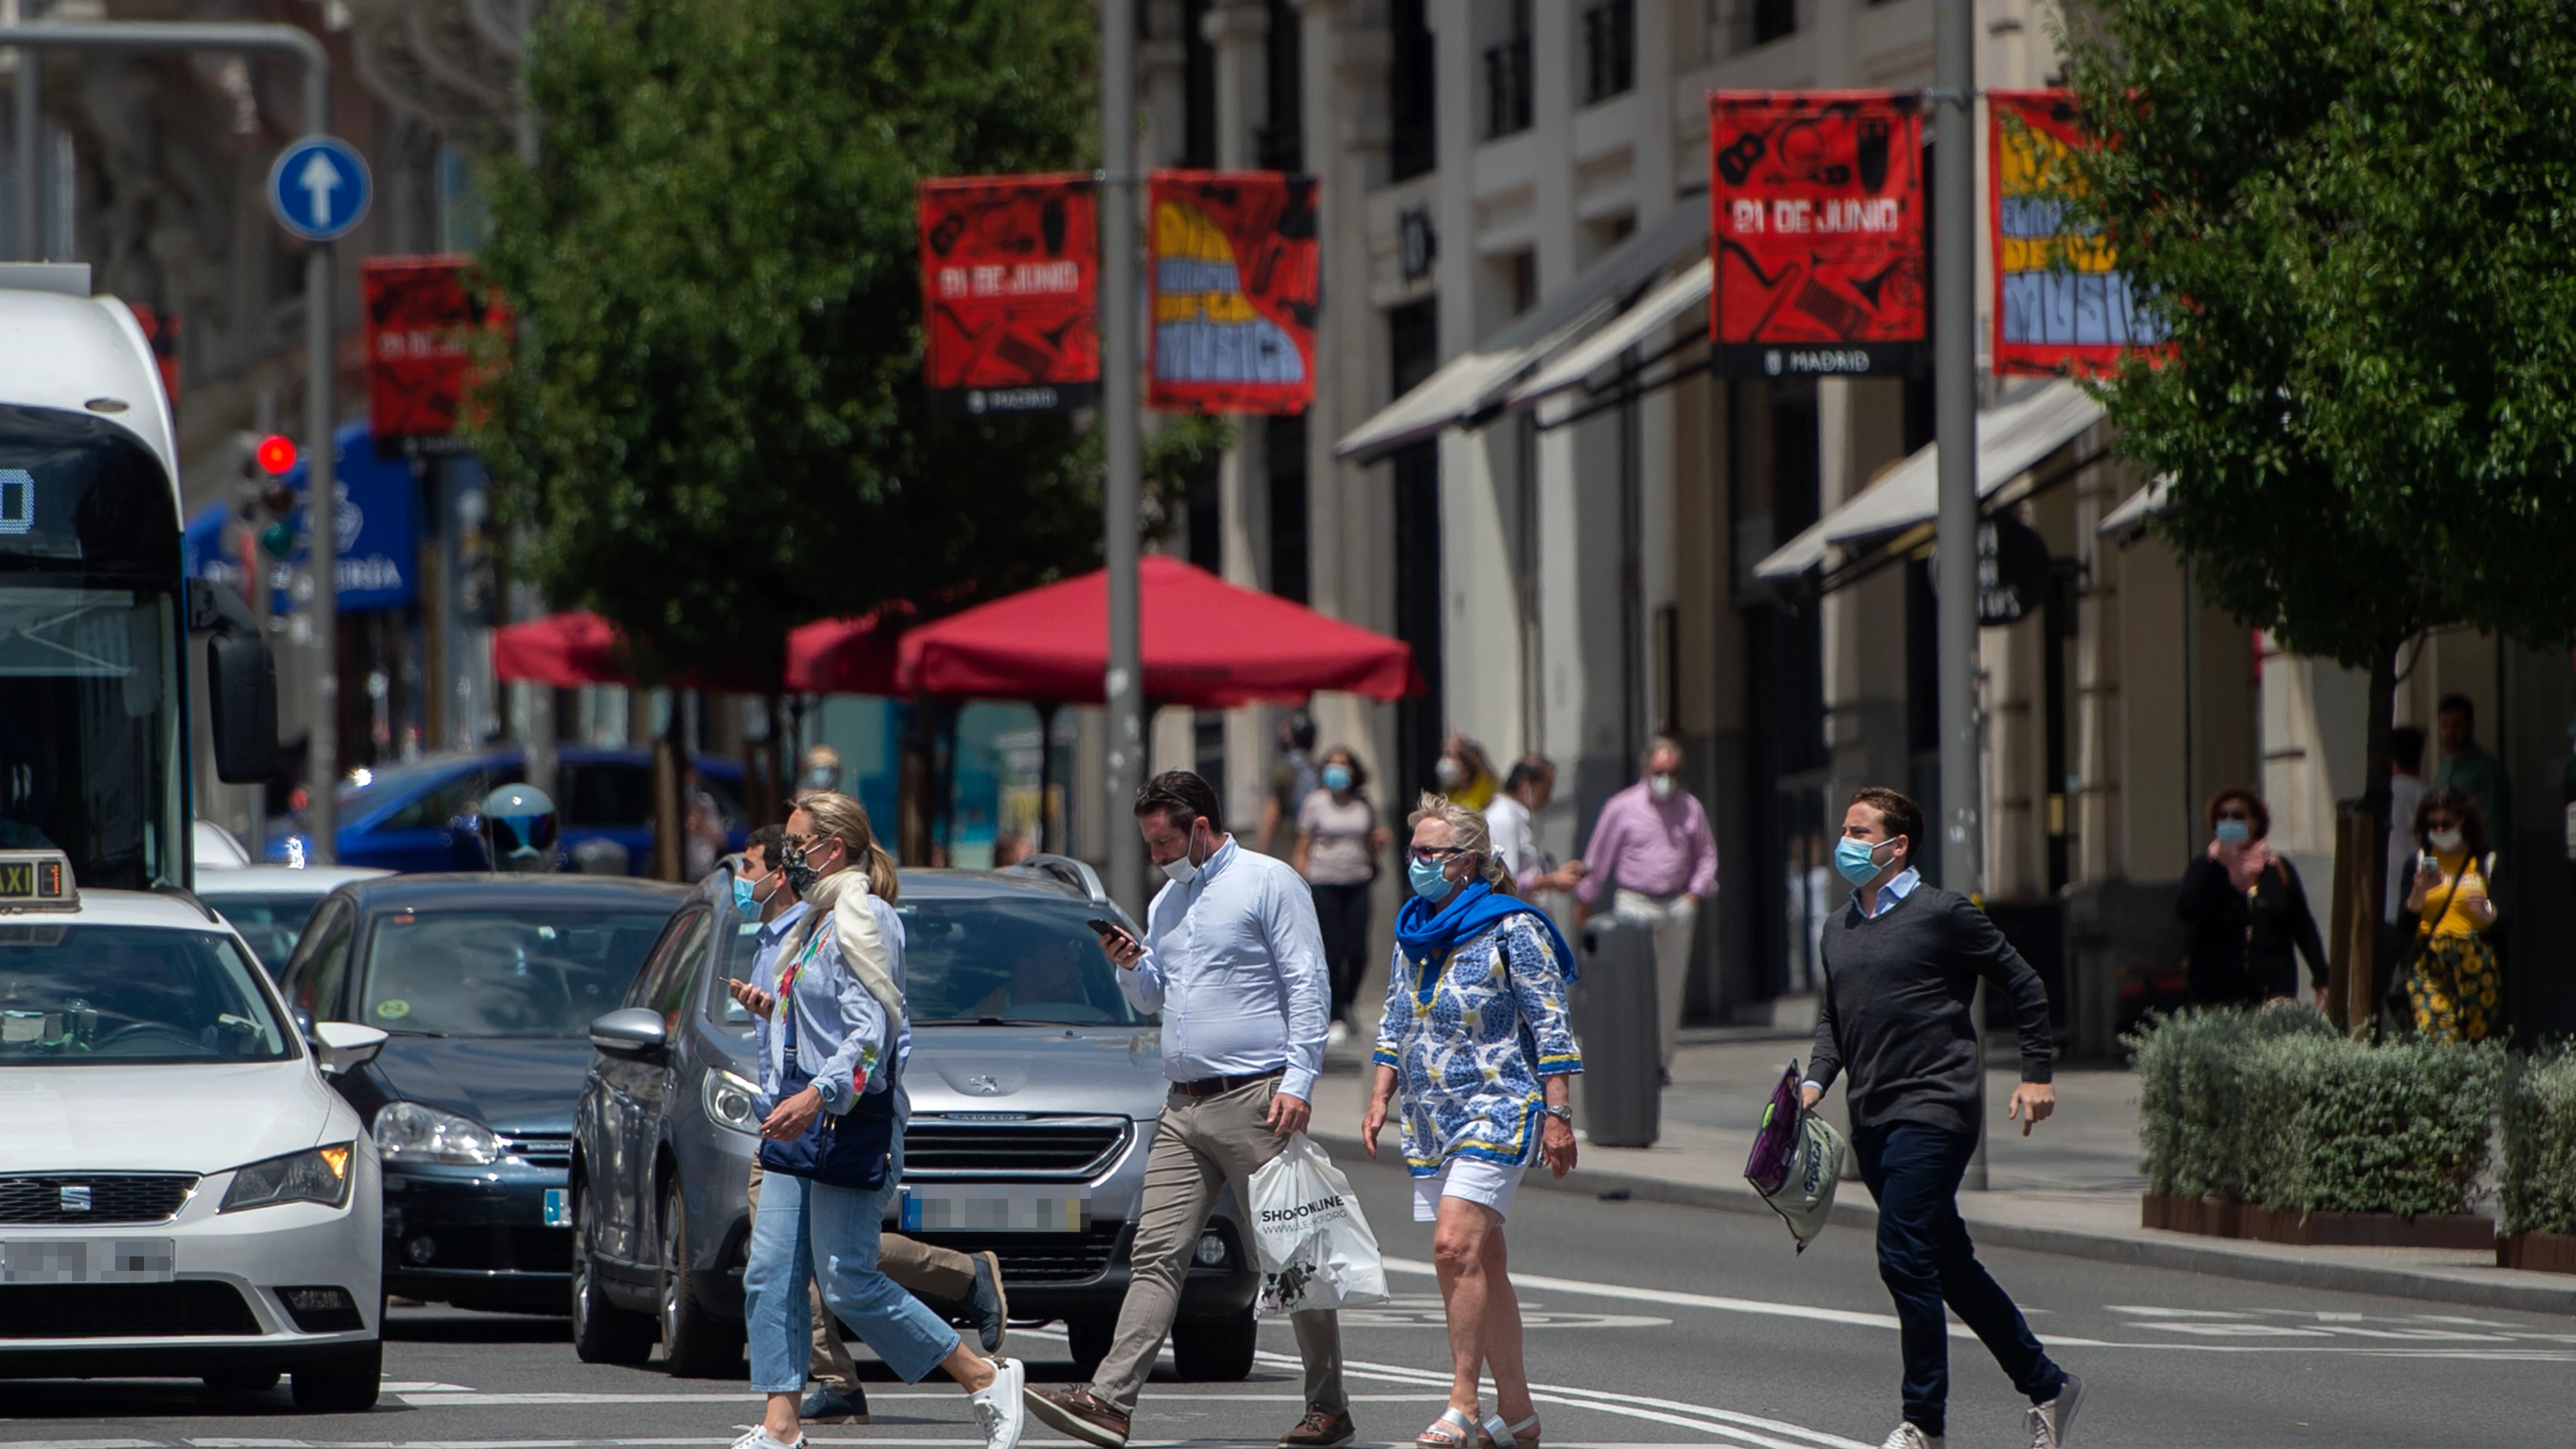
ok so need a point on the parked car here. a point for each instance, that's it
(182, 1193)
(269, 904)
(420, 816)
(487, 985)
(1035, 1089)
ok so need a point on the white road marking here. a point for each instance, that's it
(1725, 1423)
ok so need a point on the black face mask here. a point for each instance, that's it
(801, 874)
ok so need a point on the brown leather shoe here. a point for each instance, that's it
(1081, 1413)
(1320, 1429)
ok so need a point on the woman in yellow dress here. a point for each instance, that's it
(2453, 983)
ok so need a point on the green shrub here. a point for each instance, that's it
(2192, 1095)
(2539, 1186)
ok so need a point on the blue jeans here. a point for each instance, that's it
(1926, 1260)
(807, 1228)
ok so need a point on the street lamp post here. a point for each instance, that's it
(1124, 684)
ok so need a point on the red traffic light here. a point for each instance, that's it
(276, 453)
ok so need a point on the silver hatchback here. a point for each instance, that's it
(1035, 1089)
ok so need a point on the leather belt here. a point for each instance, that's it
(1218, 1086)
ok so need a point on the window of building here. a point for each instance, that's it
(1413, 340)
(1282, 142)
(1198, 88)
(1284, 456)
(1736, 26)
(1412, 147)
(1507, 77)
(1774, 20)
(1207, 535)
(1609, 49)
(1520, 272)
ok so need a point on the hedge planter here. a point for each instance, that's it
(2539, 1252)
(2215, 1217)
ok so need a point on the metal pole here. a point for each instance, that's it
(1124, 686)
(25, 238)
(1954, 382)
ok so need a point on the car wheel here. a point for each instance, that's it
(694, 1345)
(1217, 1350)
(1089, 1337)
(602, 1332)
(242, 1381)
(345, 1384)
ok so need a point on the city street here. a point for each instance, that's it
(1648, 1325)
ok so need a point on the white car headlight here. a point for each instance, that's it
(410, 1132)
(318, 1174)
(730, 1101)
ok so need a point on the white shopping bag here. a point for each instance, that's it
(1316, 1249)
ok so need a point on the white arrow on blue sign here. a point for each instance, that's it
(319, 188)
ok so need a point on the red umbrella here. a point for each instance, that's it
(576, 648)
(848, 656)
(1207, 644)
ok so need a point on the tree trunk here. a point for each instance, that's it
(669, 850)
(2361, 1001)
(913, 786)
(1047, 837)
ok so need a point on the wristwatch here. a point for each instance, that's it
(1564, 1114)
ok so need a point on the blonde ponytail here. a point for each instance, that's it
(846, 820)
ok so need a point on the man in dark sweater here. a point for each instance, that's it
(1901, 967)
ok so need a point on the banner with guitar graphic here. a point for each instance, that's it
(1816, 228)
(1010, 281)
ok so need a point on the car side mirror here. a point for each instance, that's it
(634, 1032)
(341, 1046)
(241, 685)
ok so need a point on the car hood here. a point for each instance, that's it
(1037, 1069)
(507, 1085)
(179, 1118)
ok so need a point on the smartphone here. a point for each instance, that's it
(1103, 926)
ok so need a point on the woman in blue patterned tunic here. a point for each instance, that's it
(1475, 1033)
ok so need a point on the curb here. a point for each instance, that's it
(2181, 1255)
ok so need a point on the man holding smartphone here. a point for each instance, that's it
(1233, 960)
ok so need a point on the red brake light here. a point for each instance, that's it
(276, 453)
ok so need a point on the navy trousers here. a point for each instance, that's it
(1926, 1260)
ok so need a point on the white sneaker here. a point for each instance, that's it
(2050, 1422)
(1910, 1436)
(757, 1437)
(997, 1405)
(1337, 1033)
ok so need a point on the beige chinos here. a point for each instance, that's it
(1202, 1146)
(922, 1269)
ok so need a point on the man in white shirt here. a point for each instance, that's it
(1526, 791)
(1234, 962)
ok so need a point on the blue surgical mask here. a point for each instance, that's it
(1856, 860)
(742, 899)
(1427, 880)
(1337, 777)
(2234, 832)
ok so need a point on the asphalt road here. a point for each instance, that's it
(1648, 1325)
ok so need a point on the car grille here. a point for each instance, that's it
(953, 1148)
(190, 1308)
(1041, 1257)
(113, 1197)
(540, 1149)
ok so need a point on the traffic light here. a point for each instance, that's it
(276, 453)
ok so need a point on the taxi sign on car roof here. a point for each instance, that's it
(37, 880)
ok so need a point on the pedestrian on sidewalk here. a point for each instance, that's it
(1653, 839)
(1291, 781)
(1901, 967)
(1475, 1033)
(2467, 767)
(1339, 843)
(2247, 912)
(970, 1283)
(2452, 984)
(1232, 959)
(1464, 773)
(827, 1003)
(1511, 821)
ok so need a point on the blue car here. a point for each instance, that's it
(419, 816)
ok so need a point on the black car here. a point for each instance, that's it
(488, 984)
(1035, 1088)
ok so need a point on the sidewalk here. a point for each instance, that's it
(2072, 1187)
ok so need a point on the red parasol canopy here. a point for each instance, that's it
(576, 648)
(847, 656)
(1207, 644)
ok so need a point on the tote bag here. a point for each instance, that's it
(1315, 1248)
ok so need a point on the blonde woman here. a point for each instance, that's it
(1478, 976)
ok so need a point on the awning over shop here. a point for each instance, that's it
(2012, 437)
(2130, 518)
(578, 647)
(848, 656)
(1473, 387)
(1644, 322)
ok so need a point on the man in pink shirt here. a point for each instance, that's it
(1653, 838)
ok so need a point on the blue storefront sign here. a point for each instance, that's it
(379, 518)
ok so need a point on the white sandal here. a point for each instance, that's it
(1523, 1435)
(1450, 1418)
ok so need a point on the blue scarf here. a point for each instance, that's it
(1427, 936)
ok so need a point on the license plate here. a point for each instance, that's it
(995, 1210)
(89, 1260)
(558, 1207)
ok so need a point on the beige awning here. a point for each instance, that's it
(1642, 323)
(2131, 516)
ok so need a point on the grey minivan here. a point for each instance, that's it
(1035, 1088)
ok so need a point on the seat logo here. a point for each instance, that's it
(74, 1197)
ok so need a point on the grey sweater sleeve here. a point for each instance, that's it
(1984, 947)
(1825, 1056)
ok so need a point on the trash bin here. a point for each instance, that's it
(1615, 1020)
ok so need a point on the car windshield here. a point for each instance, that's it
(534, 970)
(1008, 958)
(131, 995)
(270, 921)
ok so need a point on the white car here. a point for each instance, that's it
(181, 1193)
(269, 904)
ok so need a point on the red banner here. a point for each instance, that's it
(1235, 288)
(1816, 227)
(419, 335)
(2061, 302)
(1010, 278)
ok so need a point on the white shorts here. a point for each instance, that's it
(1490, 1184)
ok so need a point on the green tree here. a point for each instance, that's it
(2356, 218)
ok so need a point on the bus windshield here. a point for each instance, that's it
(89, 740)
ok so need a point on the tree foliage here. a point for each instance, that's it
(2359, 217)
(713, 428)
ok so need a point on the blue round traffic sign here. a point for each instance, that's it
(319, 188)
